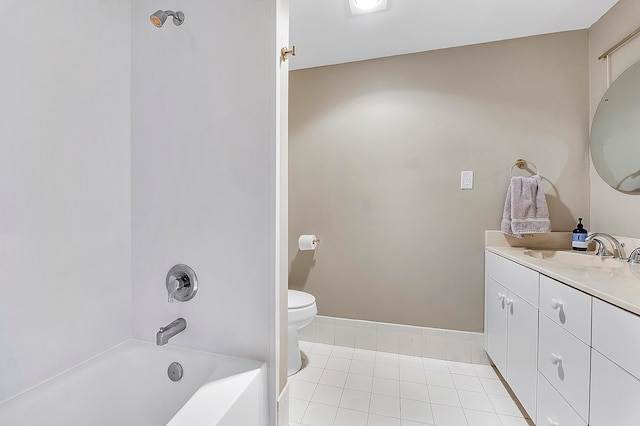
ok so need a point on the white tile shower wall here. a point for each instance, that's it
(428, 342)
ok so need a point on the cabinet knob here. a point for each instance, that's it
(508, 301)
(555, 303)
(501, 296)
(551, 422)
(555, 359)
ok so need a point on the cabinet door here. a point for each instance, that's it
(496, 320)
(522, 351)
(614, 394)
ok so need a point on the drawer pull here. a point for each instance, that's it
(555, 304)
(555, 359)
(551, 422)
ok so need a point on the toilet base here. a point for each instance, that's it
(294, 357)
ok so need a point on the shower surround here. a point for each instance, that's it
(127, 149)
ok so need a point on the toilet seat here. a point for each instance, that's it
(299, 299)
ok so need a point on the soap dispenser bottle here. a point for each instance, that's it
(579, 236)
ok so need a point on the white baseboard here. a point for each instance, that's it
(451, 345)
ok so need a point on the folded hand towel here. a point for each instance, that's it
(525, 209)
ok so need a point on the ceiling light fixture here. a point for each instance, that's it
(365, 6)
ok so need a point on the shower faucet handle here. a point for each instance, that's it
(181, 283)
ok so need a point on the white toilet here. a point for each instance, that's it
(302, 310)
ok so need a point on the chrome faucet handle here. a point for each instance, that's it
(634, 257)
(174, 286)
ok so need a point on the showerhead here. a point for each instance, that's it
(161, 16)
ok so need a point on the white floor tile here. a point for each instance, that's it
(364, 355)
(333, 378)
(328, 395)
(469, 383)
(377, 420)
(346, 417)
(362, 367)
(413, 375)
(389, 387)
(384, 405)
(444, 415)
(444, 396)
(493, 387)
(482, 418)
(297, 408)
(342, 386)
(436, 378)
(485, 371)
(415, 391)
(512, 421)
(359, 382)
(319, 415)
(475, 401)
(321, 349)
(316, 360)
(386, 371)
(309, 374)
(416, 411)
(342, 352)
(299, 389)
(438, 365)
(504, 405)
(410, 361)
(461, 368)
(338, 364)
(355, 400)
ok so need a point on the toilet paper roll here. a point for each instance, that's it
(307, 242)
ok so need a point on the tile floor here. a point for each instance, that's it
(355, 387)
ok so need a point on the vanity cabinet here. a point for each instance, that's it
(615, 366)
(570, 358)
(511, 336)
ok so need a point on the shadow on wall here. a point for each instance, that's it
(557, 209)
(300, 269)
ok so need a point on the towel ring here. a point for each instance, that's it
(521, 164)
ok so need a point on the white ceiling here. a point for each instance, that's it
(325, 32)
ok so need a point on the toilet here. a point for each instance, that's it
(302, 310)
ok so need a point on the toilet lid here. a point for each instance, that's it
(300, 299)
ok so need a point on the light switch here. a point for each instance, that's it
(466, 179)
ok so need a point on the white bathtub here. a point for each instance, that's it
(128, 385)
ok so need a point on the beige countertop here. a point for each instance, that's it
(615, 282)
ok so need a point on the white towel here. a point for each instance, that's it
(525, 209)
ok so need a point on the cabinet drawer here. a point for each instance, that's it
(515, 277)
(553, 409)
(616, 334)
(567, 307)
(564, 360)
(614, 394)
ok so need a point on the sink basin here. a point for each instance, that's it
(576, 259)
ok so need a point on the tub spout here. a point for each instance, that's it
(170, 330)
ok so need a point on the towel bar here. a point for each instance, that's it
(522, 164)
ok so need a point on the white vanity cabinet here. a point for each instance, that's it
(570, 358)
(511, 335)
(615, 366)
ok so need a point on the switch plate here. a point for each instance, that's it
(466, 179)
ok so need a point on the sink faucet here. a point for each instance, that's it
(617, 245)
(170, 330)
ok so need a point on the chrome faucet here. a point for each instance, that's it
(617, 245)
(170, 330)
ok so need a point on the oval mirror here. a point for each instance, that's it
(615, 133)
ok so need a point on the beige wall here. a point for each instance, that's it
(376, 150)
(612, 211)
